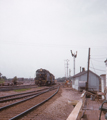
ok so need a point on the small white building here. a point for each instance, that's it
(79, 81)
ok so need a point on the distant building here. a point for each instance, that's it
(79, 81)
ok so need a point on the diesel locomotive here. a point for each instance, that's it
(44, 77)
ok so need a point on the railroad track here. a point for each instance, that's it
(19, 109)
(8, 88)
(19, 96)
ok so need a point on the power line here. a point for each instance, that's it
(96, 60)
(49, 45)
(99, 55)
(93, 66)
(97, 69)
(44, 45)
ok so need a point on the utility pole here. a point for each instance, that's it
(88, 69)
(69, 72)
(67, 66)
(74, 55)
(106, 76)
(65, 69)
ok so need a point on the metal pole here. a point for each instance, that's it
(67, 66)
(106, 77)
(65, 69)
(88, 69)
(69, 72)
(74, 65)
(74, 55)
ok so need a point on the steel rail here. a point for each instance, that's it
(30, 109)
(16, 86)
(15, 94)
(19, 97)
(20, 94)
(28, 94)
(7, 106)
(5, 88)
(10, 105)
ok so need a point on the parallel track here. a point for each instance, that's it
(19, 96)
(31, 109)
(8, 88)
(10, 108)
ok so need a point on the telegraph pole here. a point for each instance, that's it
(106, 76)
(88, 69)
(65, 69)
(67, 66)
(69, 72)
(74, 55)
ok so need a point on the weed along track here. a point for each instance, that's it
(8, 88)
(11, 100)
(19, 109)
(19, 96)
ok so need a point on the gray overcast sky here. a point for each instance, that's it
(40, 34)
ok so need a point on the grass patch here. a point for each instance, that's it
(39, 87)
(1, 81)
(21, 90)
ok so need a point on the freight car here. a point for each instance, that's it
(44, 77)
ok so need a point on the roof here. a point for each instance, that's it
(79, 74)
(44, 70)
(103, 75)
(84, 72)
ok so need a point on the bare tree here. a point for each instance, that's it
(0, 76)
(14, 80)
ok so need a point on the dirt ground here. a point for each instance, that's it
(58, 108)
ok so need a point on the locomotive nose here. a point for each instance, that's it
(39, 74)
